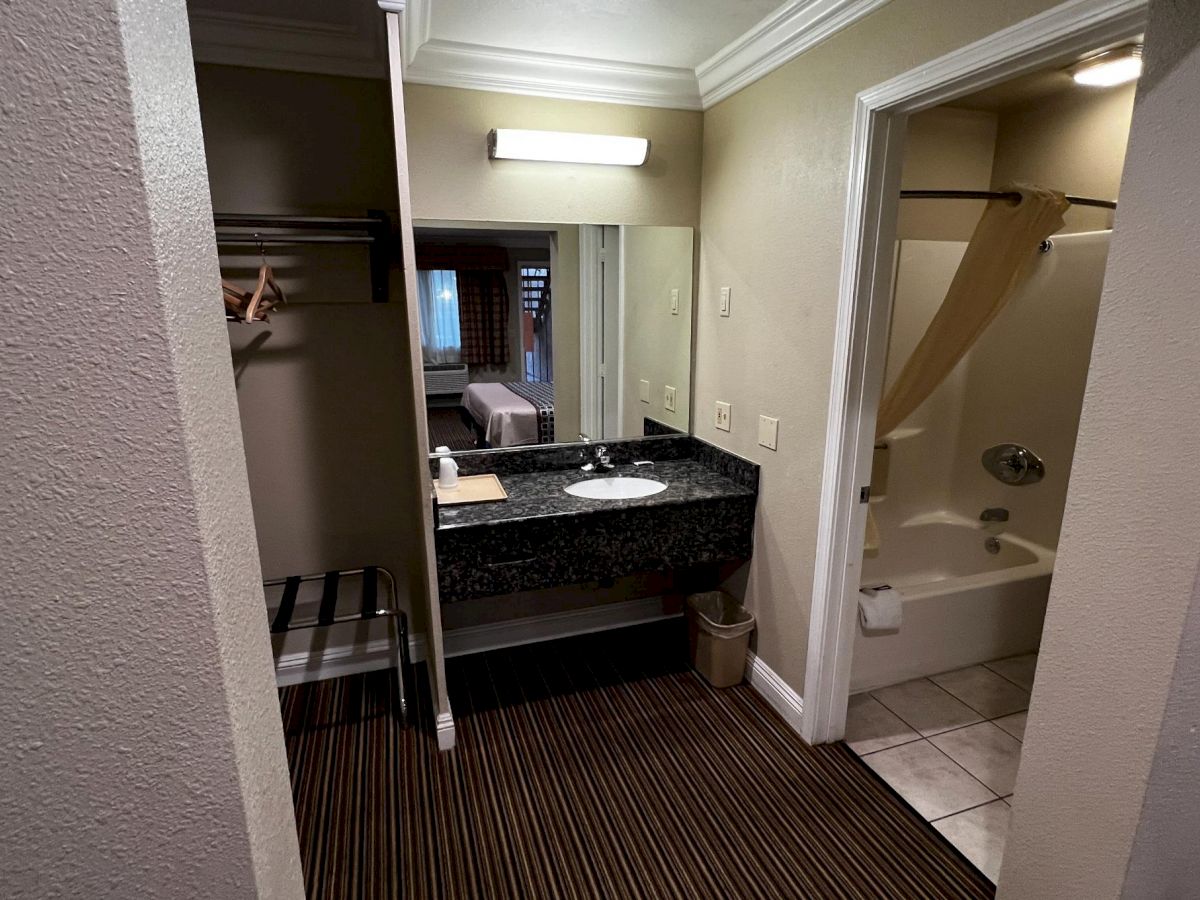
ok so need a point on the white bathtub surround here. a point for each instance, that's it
(950, 746)
(961, 604)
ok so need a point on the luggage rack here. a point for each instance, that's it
(369, 607)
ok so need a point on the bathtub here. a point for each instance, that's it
(962, 605)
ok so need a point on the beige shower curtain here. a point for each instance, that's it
(997, 260)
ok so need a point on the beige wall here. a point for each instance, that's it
(1128, 561)
(289, 142)
(324, 411)
(143, 750)
(1073, 141)
(452, 177)
(946, 149)
(774, 189)
(564, 308)
(655, 344)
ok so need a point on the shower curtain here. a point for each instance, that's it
(996, 262)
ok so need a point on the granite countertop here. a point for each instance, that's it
(537, 495)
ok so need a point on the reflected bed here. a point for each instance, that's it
(511, 414)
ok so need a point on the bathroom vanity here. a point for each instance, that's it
(542, 536)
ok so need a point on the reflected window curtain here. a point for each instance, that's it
(483, 316)
(441, 336)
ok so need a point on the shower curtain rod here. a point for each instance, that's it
(997, 195)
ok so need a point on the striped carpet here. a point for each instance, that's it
(447, 429)
(596, 766)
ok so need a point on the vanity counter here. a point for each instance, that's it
(542, 537)
(542, 494)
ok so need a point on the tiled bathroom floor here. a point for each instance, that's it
(950, 746)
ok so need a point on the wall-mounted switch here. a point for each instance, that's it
(723, 416)
(644, 390)
(674, 301)
(669, 398)
(724, 301)
(768, 432)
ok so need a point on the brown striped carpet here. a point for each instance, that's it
(447, 429)
(596, 766)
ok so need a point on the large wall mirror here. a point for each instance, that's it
(552, 333)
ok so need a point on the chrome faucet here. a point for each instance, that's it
(602, 463)
(994, 514)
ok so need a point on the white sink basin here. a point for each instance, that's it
(614, 488)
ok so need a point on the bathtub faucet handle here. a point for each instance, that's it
(994, 514)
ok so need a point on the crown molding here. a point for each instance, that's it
(415, 34)
(782, 36)
(476, 67)
(354, 49)
(357, 49)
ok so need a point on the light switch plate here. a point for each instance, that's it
(768, 432)
(723, 415)
(725, 301)
(669, 398)
(674, 301)
(644, 390)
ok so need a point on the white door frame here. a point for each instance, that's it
(599, 331)
(864, 307)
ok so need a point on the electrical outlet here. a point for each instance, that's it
(669, 398)
(725, 301)
(723, 416)
(674, 301)
(768, 432)
(644, 390)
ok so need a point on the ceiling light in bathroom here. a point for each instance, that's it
(1112, 67)
(564, 146)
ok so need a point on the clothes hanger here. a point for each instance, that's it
(251, 306)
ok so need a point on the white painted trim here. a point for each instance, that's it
(415, 30)
(351, 659)
(528, 630)
(591, 398)
(864, 306)
(483, 68)
(446, 737)
(273, 42)
(333, 662)
(392, 6)
(779, 38)
(775, 691)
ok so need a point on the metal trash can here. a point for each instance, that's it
(718, 635)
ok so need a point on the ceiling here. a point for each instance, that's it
(676, 33)
(680, 54)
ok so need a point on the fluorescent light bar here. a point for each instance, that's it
(1110, 68)
(563, 146)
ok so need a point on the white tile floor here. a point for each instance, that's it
(950, 746)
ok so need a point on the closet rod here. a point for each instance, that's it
(997, 195)
(245, 220)
(295, 239)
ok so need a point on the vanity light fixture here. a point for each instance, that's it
(565, 146)
(1110, 68)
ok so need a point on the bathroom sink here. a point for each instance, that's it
(615, 488)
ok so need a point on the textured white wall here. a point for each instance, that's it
(1128, 556)
(142, 741)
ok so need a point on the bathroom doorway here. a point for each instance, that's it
(959, 503)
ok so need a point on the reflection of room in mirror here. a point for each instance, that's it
(536, 334)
